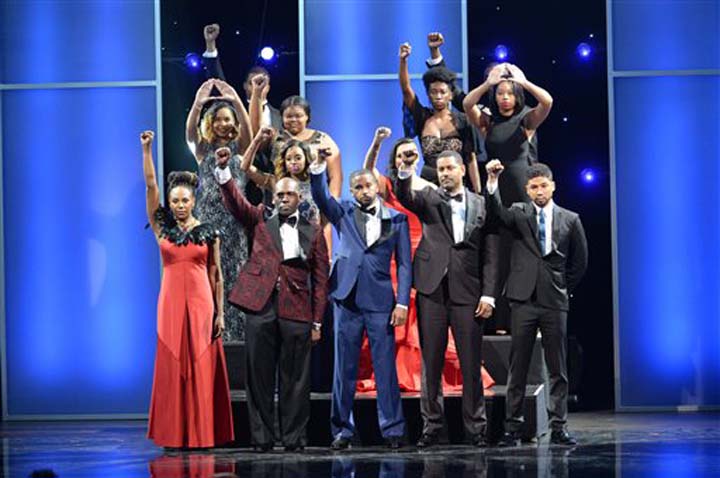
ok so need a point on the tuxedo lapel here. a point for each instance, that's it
(557, 216)
(360, 224)
(273, 226)
(446, 214)
(385, 224)
(471, 212)
(532, 224)
(305, 232)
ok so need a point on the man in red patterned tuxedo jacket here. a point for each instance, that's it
(283, 290)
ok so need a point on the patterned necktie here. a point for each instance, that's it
(541, 232)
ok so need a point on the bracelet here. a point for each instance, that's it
(317, 326)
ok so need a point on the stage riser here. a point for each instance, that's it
(365, 413)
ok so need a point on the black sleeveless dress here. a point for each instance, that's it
(506, 140)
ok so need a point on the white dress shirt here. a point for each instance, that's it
(548, 211)
(372, 224)
(458, 218)
(289, 238)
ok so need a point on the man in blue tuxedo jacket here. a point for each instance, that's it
(362, 293)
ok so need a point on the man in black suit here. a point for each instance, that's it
(455, 274)
(548, 258)
(269, 115)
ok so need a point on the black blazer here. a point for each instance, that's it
(471, 266)
(554, 276)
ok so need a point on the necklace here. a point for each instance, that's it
(190, 224)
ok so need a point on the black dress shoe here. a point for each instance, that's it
(394, 442)
(562, 437)
(509, 440)
(478, 441)
(294, 448)
(263, 447)
(427, 440)
(340, 443)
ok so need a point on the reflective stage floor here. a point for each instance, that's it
(611, 445)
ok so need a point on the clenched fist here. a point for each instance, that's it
(146, 139)
(435, 40)
(382, 133)
(405, 50)
(222, 157)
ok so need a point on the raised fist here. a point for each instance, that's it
(146, 138)
(405, 50)
(211, 32)
(494, 169)
(435, 40)
(382, 133)
(265, 134)
(222, 157)
(260, 84)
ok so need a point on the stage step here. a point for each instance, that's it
(365, 413)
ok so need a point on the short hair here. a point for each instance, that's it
(439, 74)
(206, 130)
(451, 154)
(280, 169)
(288, 178)
(361, 172)
(537, 170)
(256, 70)
(296, 101)
(185, 179)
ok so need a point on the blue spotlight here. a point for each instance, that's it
(193, 62)
(584, 51)
(588, 176)
(501, 52)
(267, 54)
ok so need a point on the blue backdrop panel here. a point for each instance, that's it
(667, 35)
(351, 122)
(82, 274)
(77, 40)
(668, 231)
(362, 36)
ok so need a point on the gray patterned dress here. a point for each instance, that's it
(234, 246)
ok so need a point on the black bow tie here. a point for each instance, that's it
(370, 210)
(458, 197)
(289, 220)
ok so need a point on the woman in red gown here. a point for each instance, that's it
(407, 338)
(190, 405)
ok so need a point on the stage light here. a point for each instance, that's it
(584, 51)
(267, 54)
(193, 61)
(588, 175)
(501, 52)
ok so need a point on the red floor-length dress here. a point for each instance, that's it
(408, 358)
(190, 405)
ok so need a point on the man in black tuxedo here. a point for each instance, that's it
(269, 115)
(548, 258)
(455, 274)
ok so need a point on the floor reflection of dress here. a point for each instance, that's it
(407, 338)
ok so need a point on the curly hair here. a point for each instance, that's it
(185, 179)
(439, 74)
(280, 168)
(206, 129)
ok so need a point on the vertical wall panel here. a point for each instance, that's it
(77, 40)
(667, 204)
(81, 274)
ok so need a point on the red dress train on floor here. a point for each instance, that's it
(407, 338)
(190, 404)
